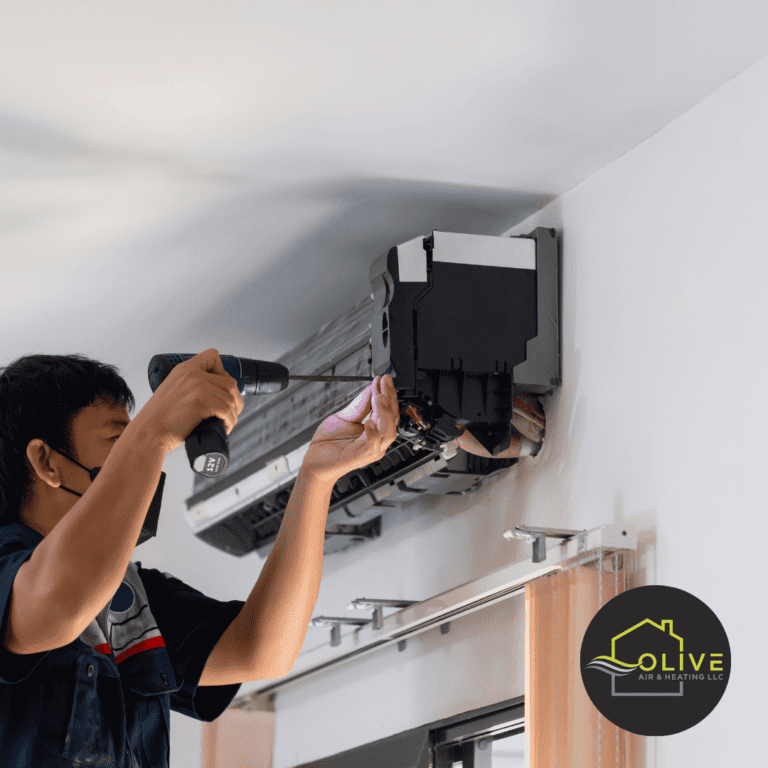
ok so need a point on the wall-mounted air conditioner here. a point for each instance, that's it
(467, 325)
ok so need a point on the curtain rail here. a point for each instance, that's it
(454, 603)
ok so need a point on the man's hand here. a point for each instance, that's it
(343, 443)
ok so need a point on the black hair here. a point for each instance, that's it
(39, 396)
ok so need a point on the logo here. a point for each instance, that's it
(655, 660)
(210, 464)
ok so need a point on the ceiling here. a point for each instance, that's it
(176, 175)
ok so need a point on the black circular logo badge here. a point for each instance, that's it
(655, 660)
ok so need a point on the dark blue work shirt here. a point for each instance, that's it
(105, 699)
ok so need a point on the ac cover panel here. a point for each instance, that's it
(462, 322)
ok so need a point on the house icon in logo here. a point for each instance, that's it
(655, 650)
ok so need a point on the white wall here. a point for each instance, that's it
(665, 331)
(660, 423)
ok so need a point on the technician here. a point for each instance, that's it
(95, 648)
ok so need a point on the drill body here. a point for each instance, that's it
(207, 445)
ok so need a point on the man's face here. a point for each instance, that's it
(93, 431)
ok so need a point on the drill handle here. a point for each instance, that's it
(208, 448)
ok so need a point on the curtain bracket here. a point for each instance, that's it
(538, 537)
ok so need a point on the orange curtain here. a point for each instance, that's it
(563, 727)
(238, 738)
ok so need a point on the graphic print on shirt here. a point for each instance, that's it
(126, 626)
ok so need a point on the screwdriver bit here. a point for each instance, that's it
(331, 378)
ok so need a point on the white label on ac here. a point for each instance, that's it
(484, 250)
(412, 261)
(277, 468)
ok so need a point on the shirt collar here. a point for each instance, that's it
(18, 530)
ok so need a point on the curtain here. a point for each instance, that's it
(563, 727)
(238, 737)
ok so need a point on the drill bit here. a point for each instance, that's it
(331, 378)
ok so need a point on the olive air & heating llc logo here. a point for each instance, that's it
(655, 660)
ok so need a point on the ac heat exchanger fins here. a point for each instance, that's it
(462, 322)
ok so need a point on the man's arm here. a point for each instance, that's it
(77, 567)
(265, 639)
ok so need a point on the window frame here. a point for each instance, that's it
(434, 744)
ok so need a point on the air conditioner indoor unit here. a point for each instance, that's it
(468, 327)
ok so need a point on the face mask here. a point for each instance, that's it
(149, 529)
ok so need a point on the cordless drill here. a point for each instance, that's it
(207, 445)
